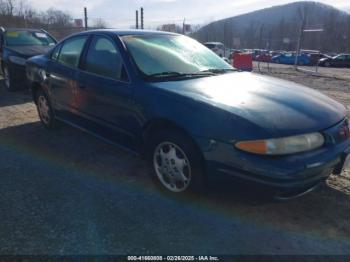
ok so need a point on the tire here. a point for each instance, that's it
(327, 64)
(176, 164)
(8, 79)
(45, 110)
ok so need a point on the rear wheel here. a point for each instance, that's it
(45, 110)
(327, 64)
(176, 163)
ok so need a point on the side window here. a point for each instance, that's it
(56, 52)
(104, 59)
(71, 51)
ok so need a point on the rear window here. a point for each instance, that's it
(25, 38)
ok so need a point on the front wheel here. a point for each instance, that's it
(176, 163)
(45, 110)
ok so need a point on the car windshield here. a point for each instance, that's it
(23, 38)
(160, 55)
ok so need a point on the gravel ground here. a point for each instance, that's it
(65, 192)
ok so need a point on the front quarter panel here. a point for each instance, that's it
(195, 117)
(36, 72)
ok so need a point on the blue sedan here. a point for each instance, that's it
(195, 118)
(289, 59)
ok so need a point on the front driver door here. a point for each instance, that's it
(105, 93)
(62, 74)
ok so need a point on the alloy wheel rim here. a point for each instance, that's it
(6, 78)
(172, 167)
(44, 109)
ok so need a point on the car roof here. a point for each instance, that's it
(22, 29)
(120, 32)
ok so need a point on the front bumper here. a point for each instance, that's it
(293, 172)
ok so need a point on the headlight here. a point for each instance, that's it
(18, 60)
(283, 146)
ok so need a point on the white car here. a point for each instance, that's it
(216, 47)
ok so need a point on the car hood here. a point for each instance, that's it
(29, 51)
(280, 107)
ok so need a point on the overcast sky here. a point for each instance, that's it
(121, 13)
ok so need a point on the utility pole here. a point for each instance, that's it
(25, 21)
(303, 15)
(183, 27)
(137, 19)
(142, 25)
(86, 18)
(301, 34)
(225, 38)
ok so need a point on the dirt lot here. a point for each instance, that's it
(65, 192)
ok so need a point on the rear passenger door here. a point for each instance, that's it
(62, 73)
(105, 94)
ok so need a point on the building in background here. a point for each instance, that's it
(78, 23)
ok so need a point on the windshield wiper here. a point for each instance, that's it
(166, 74)
(179, 74)
(219, 71)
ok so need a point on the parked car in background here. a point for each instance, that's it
(331, 54)
(289, 59)
(217, 47)
(197, 119)
(264, 57)
(16, 46)
(258, 52)
(277, 52)
(316, 57)
(342, 60)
